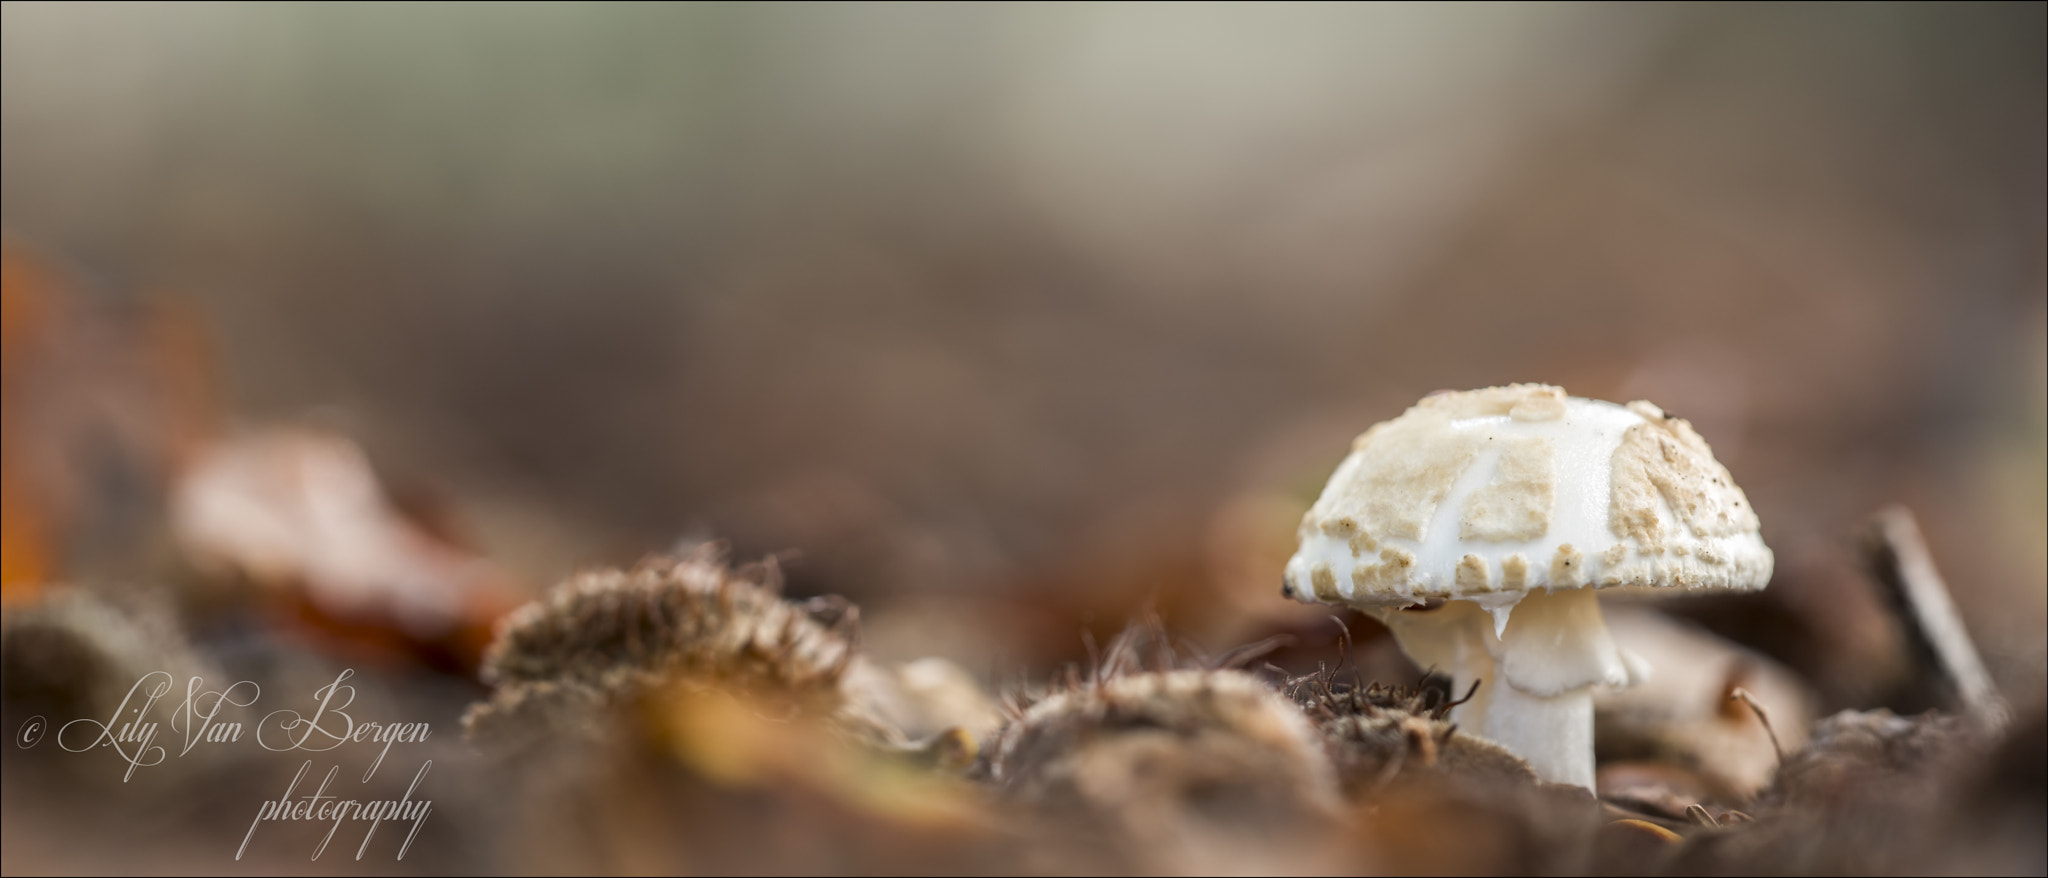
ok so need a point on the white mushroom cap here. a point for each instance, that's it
(1487, 494)
(1472, 504)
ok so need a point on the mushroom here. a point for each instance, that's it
(1478, 526)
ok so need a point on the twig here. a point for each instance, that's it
(1243, 656)
(1699, 814)
(1899, 560)
(1446, 708)
(1762, 716)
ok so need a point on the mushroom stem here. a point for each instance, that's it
(1455, 638)
(1537, 673)
(1555, 734)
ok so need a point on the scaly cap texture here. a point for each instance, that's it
(1486, 494)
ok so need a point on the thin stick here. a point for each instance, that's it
(1762, 716)
(1898, 558)
(1344, 645)
(1700, 815)
(1446, 708)
(1243, 656)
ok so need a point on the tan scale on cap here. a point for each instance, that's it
(1489, 493)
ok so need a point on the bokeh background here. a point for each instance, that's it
(1009, 321)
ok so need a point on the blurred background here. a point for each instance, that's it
(1010, 321)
